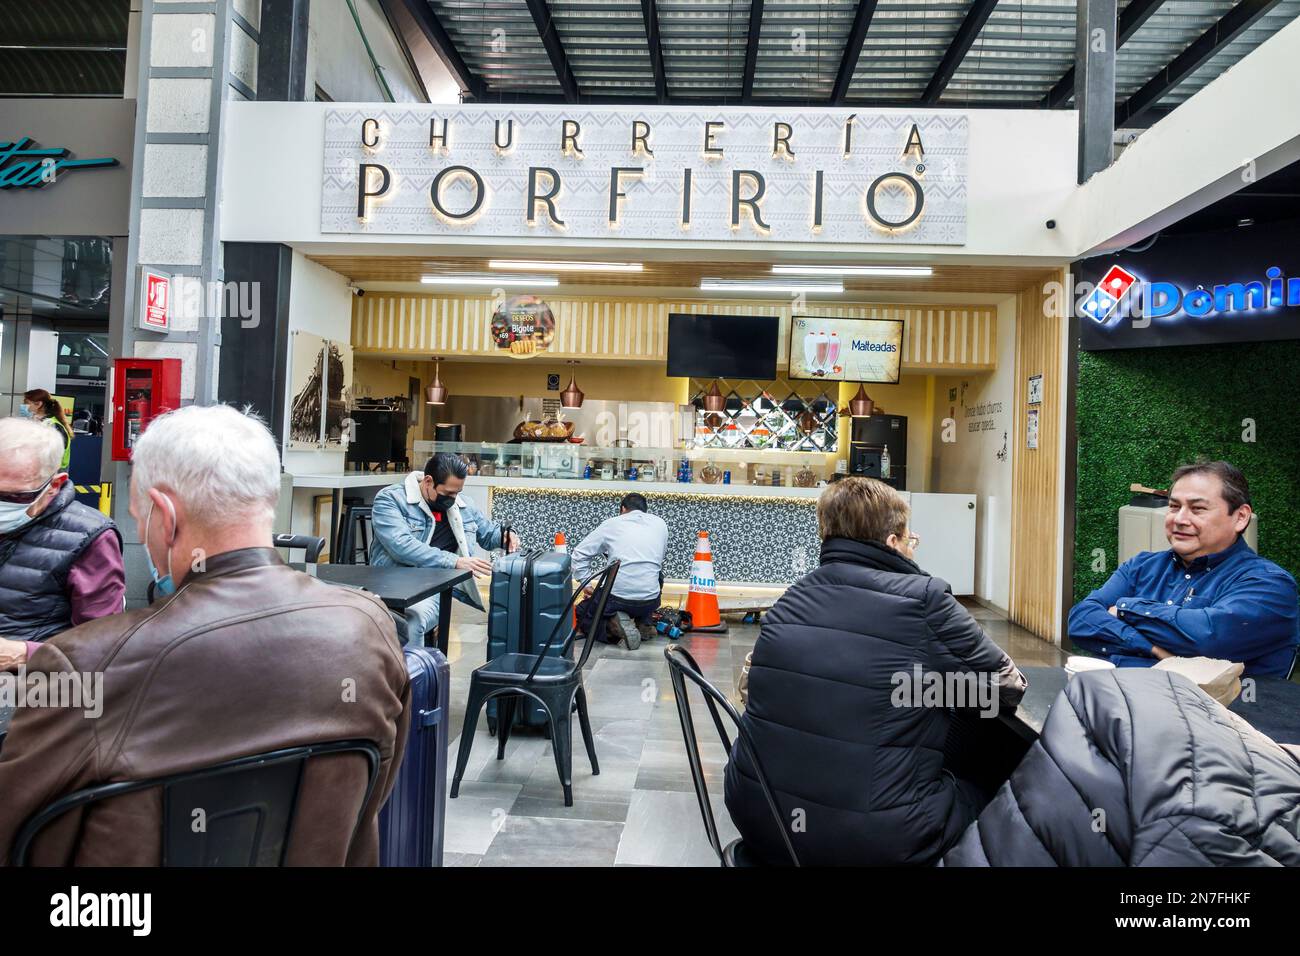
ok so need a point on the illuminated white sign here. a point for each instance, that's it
(819, 176)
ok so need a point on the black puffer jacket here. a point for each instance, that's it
(1139, 767)
(862, 781)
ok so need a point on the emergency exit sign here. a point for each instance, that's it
(155, 300)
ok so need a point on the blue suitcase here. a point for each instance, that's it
(412, 823)
(529, 592)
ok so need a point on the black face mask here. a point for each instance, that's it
(441, 502)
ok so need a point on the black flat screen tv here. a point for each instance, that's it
(723, 346)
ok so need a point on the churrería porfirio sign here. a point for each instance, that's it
(24, 164)
(819, 176)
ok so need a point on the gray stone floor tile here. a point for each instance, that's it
(666, 829)
(548, 841)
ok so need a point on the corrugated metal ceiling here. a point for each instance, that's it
(1020, 53)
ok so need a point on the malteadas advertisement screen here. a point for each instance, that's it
(846, 350)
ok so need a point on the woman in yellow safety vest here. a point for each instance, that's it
(39, 404)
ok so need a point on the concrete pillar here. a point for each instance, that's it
(188, 59)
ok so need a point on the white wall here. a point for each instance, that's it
(970, 464)
(319, 303)
(1021, 173)
(337, 59)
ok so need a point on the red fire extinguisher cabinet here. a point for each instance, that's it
(143, 389)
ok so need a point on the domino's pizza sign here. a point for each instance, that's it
(1135, 307)
(1168, 300)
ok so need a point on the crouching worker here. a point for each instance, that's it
(426, 521)
(638, 540)
(238, 656)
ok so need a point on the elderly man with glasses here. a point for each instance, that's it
(60, 561)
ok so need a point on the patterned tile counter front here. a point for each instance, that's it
(764, 539)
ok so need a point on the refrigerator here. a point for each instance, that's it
(870, 437)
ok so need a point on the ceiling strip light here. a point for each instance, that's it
(460, 279)
(899, 271)
(562, 265)
(761, 285)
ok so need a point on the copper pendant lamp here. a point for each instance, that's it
(714, 400)
(572, 396)
(437, 392)
(861, 405)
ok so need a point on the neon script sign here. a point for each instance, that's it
(24, 166)
(1168, 300)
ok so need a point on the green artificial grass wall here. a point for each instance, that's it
(1142, 412)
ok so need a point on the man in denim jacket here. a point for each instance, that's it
(425, 522)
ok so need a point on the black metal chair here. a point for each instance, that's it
(682, 666)
(248, 804)
(554, 682)
(311, 545)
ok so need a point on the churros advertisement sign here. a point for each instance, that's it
(523, 326)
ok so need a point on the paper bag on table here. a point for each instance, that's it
(1220, 679)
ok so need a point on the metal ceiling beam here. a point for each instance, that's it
(852, 50)
(422, 13)
(650, 14)
(976, 17)
(67, 47)
(751, 49)
(1134, 15)
(554, 48)
(1234, 23)
(1094, 86)
(630, 99)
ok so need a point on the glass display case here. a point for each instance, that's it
(563, 459)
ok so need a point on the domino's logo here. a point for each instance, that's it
(1110, 291)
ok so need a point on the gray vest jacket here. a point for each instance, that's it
(34, 565)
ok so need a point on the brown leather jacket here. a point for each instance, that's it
(247, 656)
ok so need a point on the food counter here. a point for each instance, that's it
(761, 536)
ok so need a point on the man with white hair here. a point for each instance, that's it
(239, 655)
(60, 561)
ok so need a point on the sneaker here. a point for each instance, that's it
(630, 632)
(647, 631)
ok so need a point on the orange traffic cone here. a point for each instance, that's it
(702, 601)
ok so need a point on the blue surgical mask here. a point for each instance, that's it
(13, 516)
(162, 585)
(24, 411)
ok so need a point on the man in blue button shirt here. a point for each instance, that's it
(1209, 595)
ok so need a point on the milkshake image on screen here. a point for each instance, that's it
(833, 353)
(810, 351)
(823, 349)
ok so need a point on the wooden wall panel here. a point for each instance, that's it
(636, 330)
(1036, 473)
